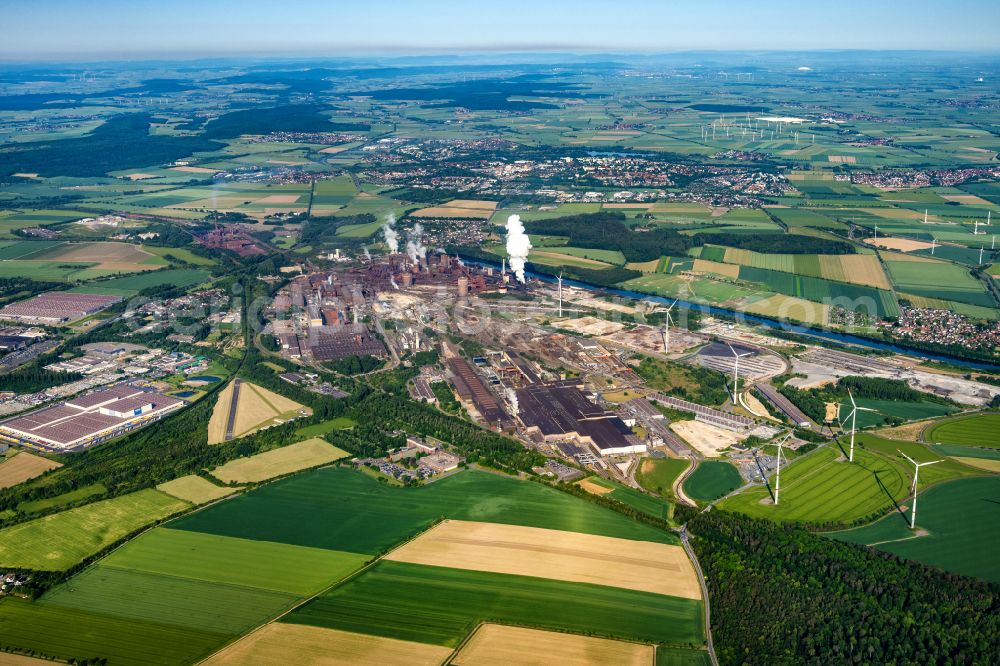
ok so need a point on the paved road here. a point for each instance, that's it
(231, 422)
(704, 595)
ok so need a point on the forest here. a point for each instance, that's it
(777, 243)
(607, 230)
(781, 595)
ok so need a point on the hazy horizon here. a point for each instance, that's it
(61, 30)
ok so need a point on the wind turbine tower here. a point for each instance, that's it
(560, 295)
(916, 472)
(736, 368)
(854, 420)
(667, 321)
(777, 476)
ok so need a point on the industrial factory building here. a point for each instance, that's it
(88, 419)
(56, 307)
(561, 411)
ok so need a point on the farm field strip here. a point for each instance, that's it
(196, 604)
(493, 644)
(961, 523)
(60, 540)
(278, 462)
(276, 567)
(304, 645)
(334, 508)
(554, 554)
(195, 489)
(22, 467)
(441, 606)
(978, 429)
(70, 633)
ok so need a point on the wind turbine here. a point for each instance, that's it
(933, 245)
(854, 419)
(667, 321)
(560, 294)
(777, 476)
(736, 368)
(916, 472)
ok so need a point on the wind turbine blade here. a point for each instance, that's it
(932, 462)
(851, 396)
(907, 457)
(867, 409)
(732, 350)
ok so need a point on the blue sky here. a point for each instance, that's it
(46, 29)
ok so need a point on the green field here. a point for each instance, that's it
(72, 633)
(712, 480)
(822, 487)
(336, 507)
(270, 566)
(193, 604)
(939, 279)
(978, 429)
(640, 501)
(60, 540)
(850, 296)
(440, 605)
(320, 429)
(962, 521)
(908, 411)
(131, 285)
(666, 656)
(962, 451)
(797, 217)
(657, 475)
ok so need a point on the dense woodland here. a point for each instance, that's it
(608, 231)
(813, 401)
(777, 243)
(781, 595)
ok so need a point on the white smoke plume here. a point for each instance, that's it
(368, 255)
(415, 245)
(518, 246)
(512, 398)
(389, 231)
(393, 281)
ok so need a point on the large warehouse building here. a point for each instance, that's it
(56, 307)
(88, 419)
(561, 411)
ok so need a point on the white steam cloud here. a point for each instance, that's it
(389, 231)
(368, 255)
(518, 246)
(415, 245)
(512, 398)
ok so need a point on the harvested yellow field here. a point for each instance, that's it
(967, 199)
(789, 307)
(896, 213)
(447, 211)
(23, 466)
(194, 489)
(278, 462)
(9, 659)
(279, 644)
(560, 258)
(220, 415)
(810, 175)
(498, 645)
(338, 149)
(842, 159)
(901, 244)
(593, 488)
(981, 463)
(22, 174)
(107, 255)
(278, 199)
(863, 269)
(554, 554)
(901, 256)
(140, 176)
(614, 206)
(193, 169)
(256, 407)
(472, 203)
(705, 437)
(719, 268)
(644, 266)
